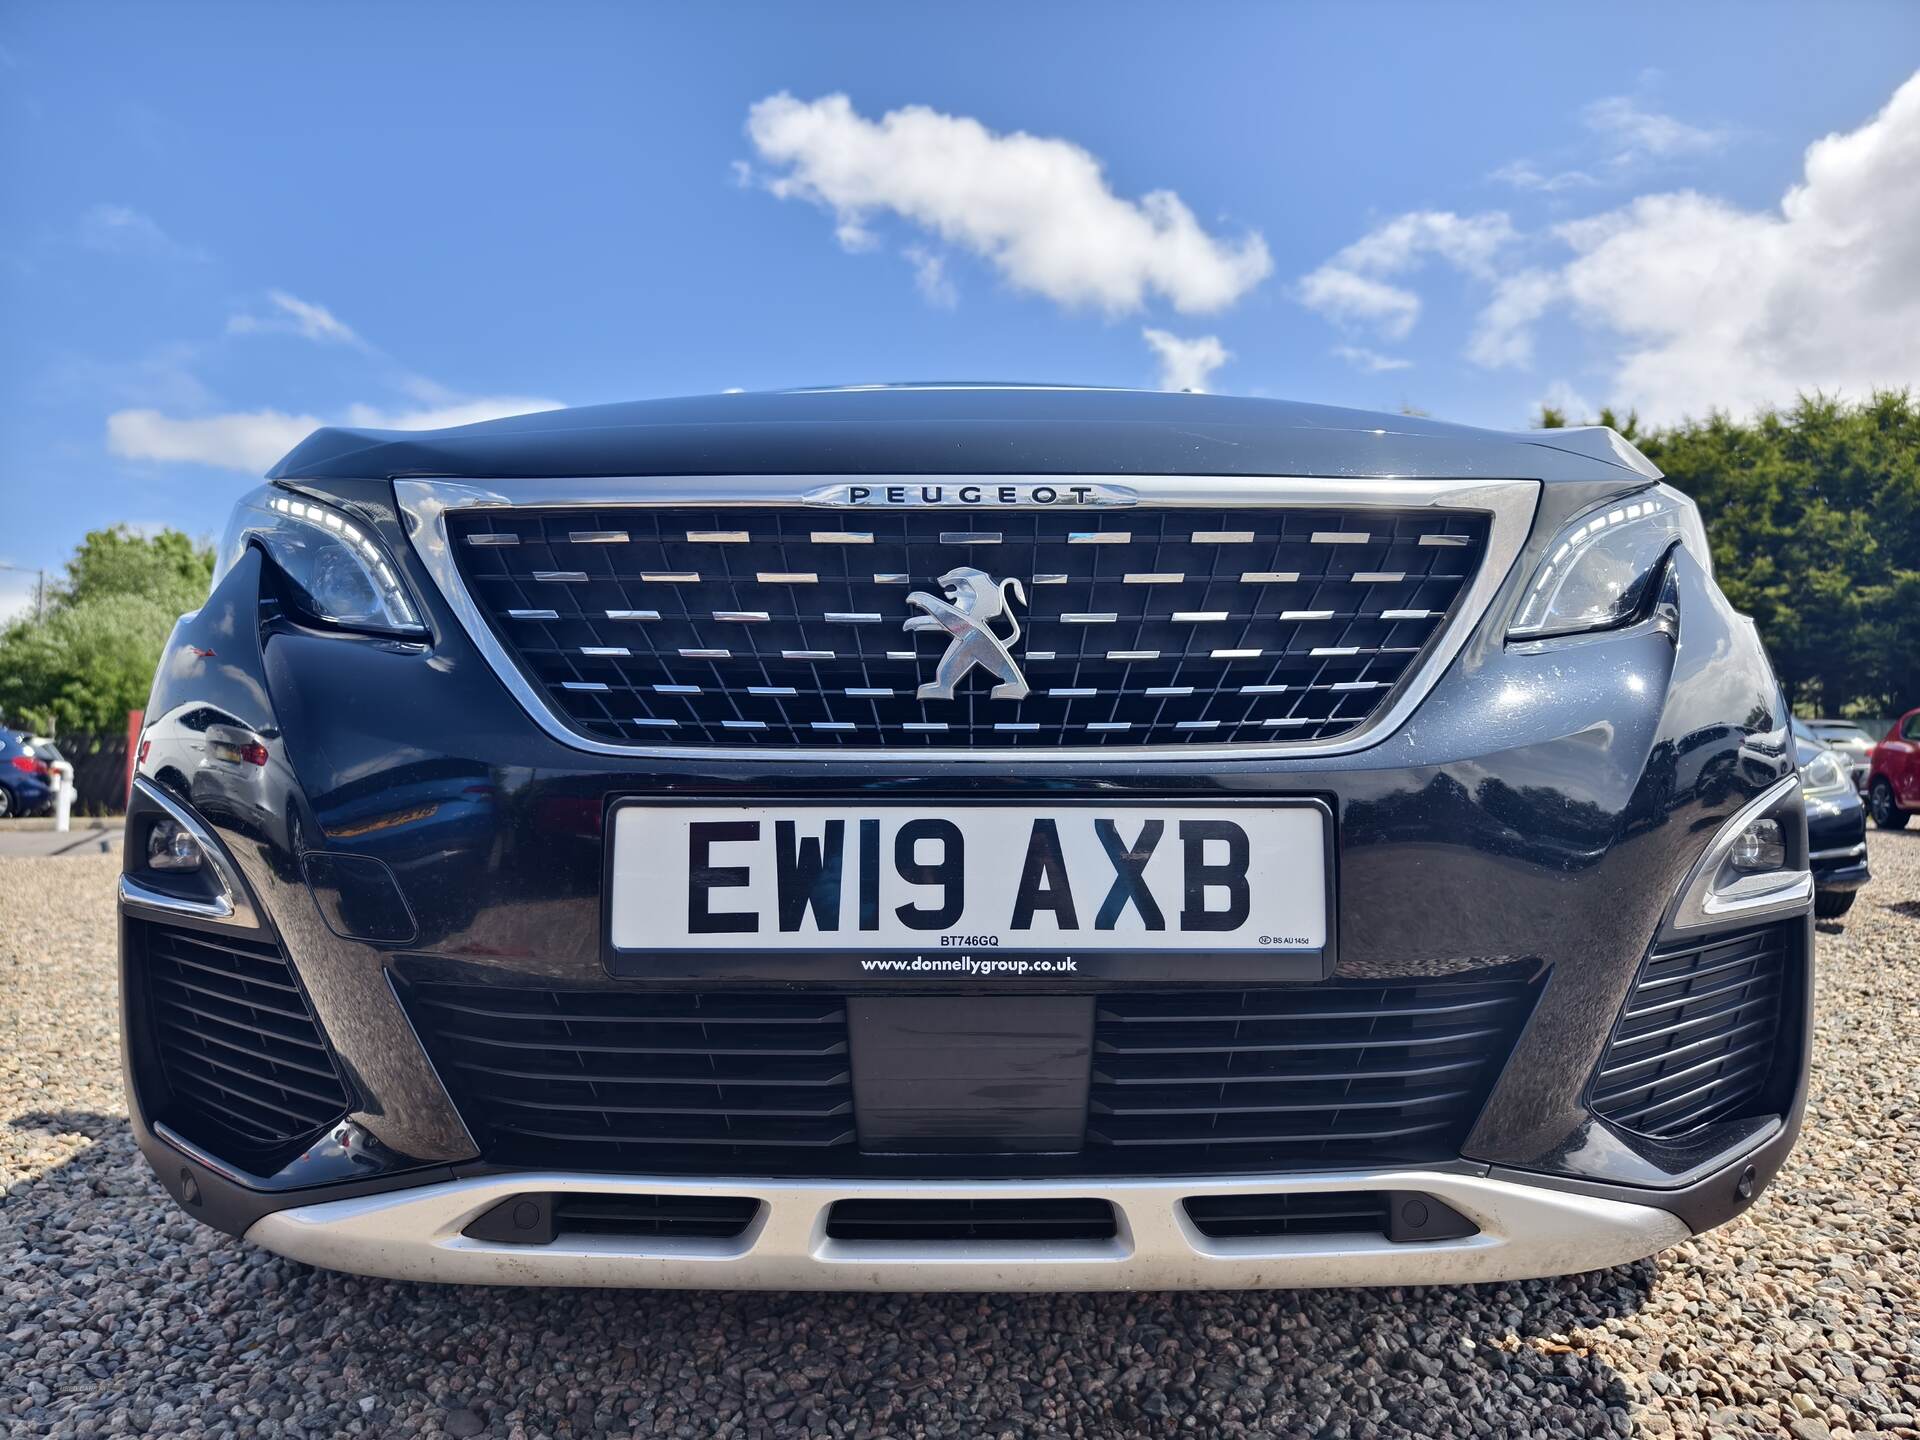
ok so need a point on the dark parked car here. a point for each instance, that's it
(1893, 789)
(1853, 743)
(1836, 823)
(26, 780)
(966, 837)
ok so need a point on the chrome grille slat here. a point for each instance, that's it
(1170, 616)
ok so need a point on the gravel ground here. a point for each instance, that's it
(122, 1316)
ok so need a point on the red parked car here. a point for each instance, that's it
(1893, 791)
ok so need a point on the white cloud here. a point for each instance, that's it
(1344, 296)
(1525, 175)
(1371, 361)
(1693, 302)
(1186, 364)
(122, 230)
(295, 316)
(930, 278)
(252, 441)
(1636, 131)
(1569, 402)
(1352, 288)
(1503, 335)
(1723, 307)
(1469, 242)
(1632, 138)
(1038, 209)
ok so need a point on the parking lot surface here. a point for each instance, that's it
(122, 1316)
(38, 837)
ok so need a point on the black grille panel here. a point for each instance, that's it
(1142, 626)
(1184, 1082)
(911, 1221)
(1697, 1039)
(624, 1079)
(245, 1067)
(1317, 1076)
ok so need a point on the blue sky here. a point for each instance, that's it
(224, 222)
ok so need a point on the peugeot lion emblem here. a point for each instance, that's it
(974, 600)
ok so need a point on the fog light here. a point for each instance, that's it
(1759, 847)
(171, 847)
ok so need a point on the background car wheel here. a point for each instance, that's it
(1833, 904)
(1886, 814)
(6, 802)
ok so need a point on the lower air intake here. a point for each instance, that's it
(1183, 1082)
(633, 1080)
(919, 1221)
(1400, 1215)
(1331, 1212)
(246, 1072)
(544, 1218)
(1697, 1039)
(1305, 1077)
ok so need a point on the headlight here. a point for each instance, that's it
(1825, 775)
(340, 572)
(1598, 568)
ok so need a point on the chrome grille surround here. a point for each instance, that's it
(1500, 513)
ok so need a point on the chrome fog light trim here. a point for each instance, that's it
(229, 903)
(1718, 890)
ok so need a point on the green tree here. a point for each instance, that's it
(92, 657)
(169, 567)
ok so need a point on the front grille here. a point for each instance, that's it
(245, 1069)
(1697, 1039)
(911, 1221)
(1318, 1076)
(783, 626)
(1183, 1082)
(627, 1080)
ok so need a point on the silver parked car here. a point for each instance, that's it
(1854, 744)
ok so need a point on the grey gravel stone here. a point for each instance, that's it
(120, 1316)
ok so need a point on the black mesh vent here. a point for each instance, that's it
(911, 1221)
(691, 1217)
(1402, 1216)
(1329, 1212)
(1697, 1039)
(1147, 626)
(624, 1079)
(245, 1068)
(1320, 1075)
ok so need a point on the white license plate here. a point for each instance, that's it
(936, 877)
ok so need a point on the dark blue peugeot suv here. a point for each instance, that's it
(965, 836)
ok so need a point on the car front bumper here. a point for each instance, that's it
(1525, 1231)
(1541, 810)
